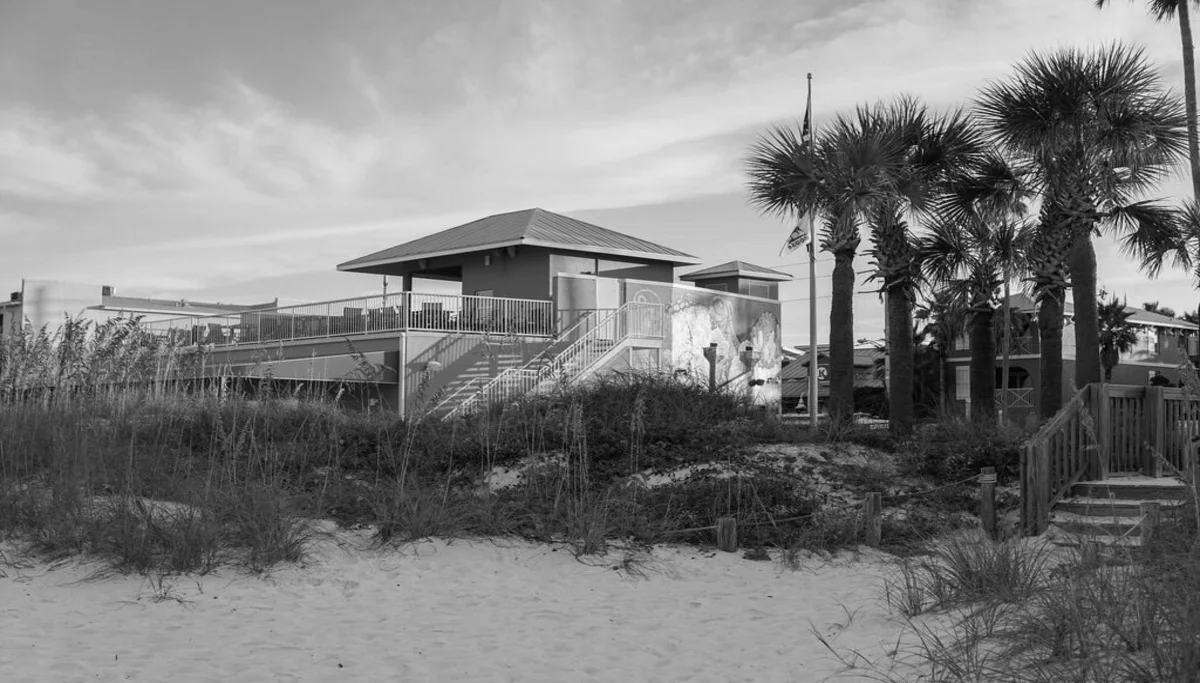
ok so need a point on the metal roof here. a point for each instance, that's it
(737, 269)
(1138, 316)
(532, 227)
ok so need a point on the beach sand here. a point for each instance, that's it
(451, 611)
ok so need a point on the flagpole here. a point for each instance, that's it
(813, 363)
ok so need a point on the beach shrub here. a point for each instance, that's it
(954, 449)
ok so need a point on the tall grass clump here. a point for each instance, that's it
(131, 448)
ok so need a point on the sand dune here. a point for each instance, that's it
(461, 611)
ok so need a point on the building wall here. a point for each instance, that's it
(700, 317)
(525, 275)
(45, 303)
(578, 263)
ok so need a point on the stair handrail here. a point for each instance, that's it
(583, 319)
(549, 370)
(532, 372)
(1048, 473)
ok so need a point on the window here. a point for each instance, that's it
(961, 343)
(962, 383)
(760, 290)
(485, 292)
(721, 287)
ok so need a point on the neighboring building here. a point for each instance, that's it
(868, 373)
(739, 277)
(545, 298)
(47, 303)
(1164, 343)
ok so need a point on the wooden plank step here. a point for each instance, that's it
(1132, 489)
(1098, 525)
(1122, 507)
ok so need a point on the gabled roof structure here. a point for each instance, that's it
(737, 269)
(529, 227)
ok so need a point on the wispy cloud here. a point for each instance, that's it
(370, 125)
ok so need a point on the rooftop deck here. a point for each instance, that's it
(402, 311)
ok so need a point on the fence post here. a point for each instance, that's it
(987, 501)
(1155, 426)
(1042, 499)
(727, 534)
(873, 518)
(1104, 431)
(1150, 518)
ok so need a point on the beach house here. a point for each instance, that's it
(1163, 344)
(538, 299)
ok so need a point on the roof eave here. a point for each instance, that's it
(356, 265)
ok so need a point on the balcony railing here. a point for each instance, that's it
(1024, 345)
(365, 315)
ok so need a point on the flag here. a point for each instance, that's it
(806, 129)
(799, 235)
(796, 239)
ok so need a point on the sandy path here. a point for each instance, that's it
(449, 612)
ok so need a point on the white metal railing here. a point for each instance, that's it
(365, 315)
(637, 320)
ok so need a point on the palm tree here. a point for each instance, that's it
(853, 165)
(944, 320)
(1165, 10)
(1097, 130)
(935, 148)
(977, 249)
(1117, 334)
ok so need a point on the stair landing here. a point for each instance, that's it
(1109, 511)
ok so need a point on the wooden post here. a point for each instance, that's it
(1041, 487)
(1155, 426)
(727, 534)
(1104, 431)
(987, 501)
(873, 518)
(1026, 491)
(1150, 518)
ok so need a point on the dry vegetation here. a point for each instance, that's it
(120, 448)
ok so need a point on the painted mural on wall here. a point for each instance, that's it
(701, 317)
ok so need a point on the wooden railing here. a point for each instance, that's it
(365, 315)
(1053, 459)
(633, 320)
(1107, 428)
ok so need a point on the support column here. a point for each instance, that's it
(402, 373)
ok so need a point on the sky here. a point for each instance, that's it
(235, 151)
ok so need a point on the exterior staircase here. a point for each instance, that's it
(1111, 511)
(1095, 471)
(576, 354)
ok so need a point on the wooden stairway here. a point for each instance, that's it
(1111, 511)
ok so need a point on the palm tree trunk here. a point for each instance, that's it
(841, 339)
(1088, 369)
(1189, 93)
(1006, 317)
(1189, 96)
(900, 357)
(1050, 328)
(983, 364)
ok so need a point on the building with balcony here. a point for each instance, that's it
(543, 299)
(1164, 343)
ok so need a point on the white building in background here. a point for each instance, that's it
(48, 303)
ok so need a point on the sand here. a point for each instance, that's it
(451, 611)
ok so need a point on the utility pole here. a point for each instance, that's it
(813, 402)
